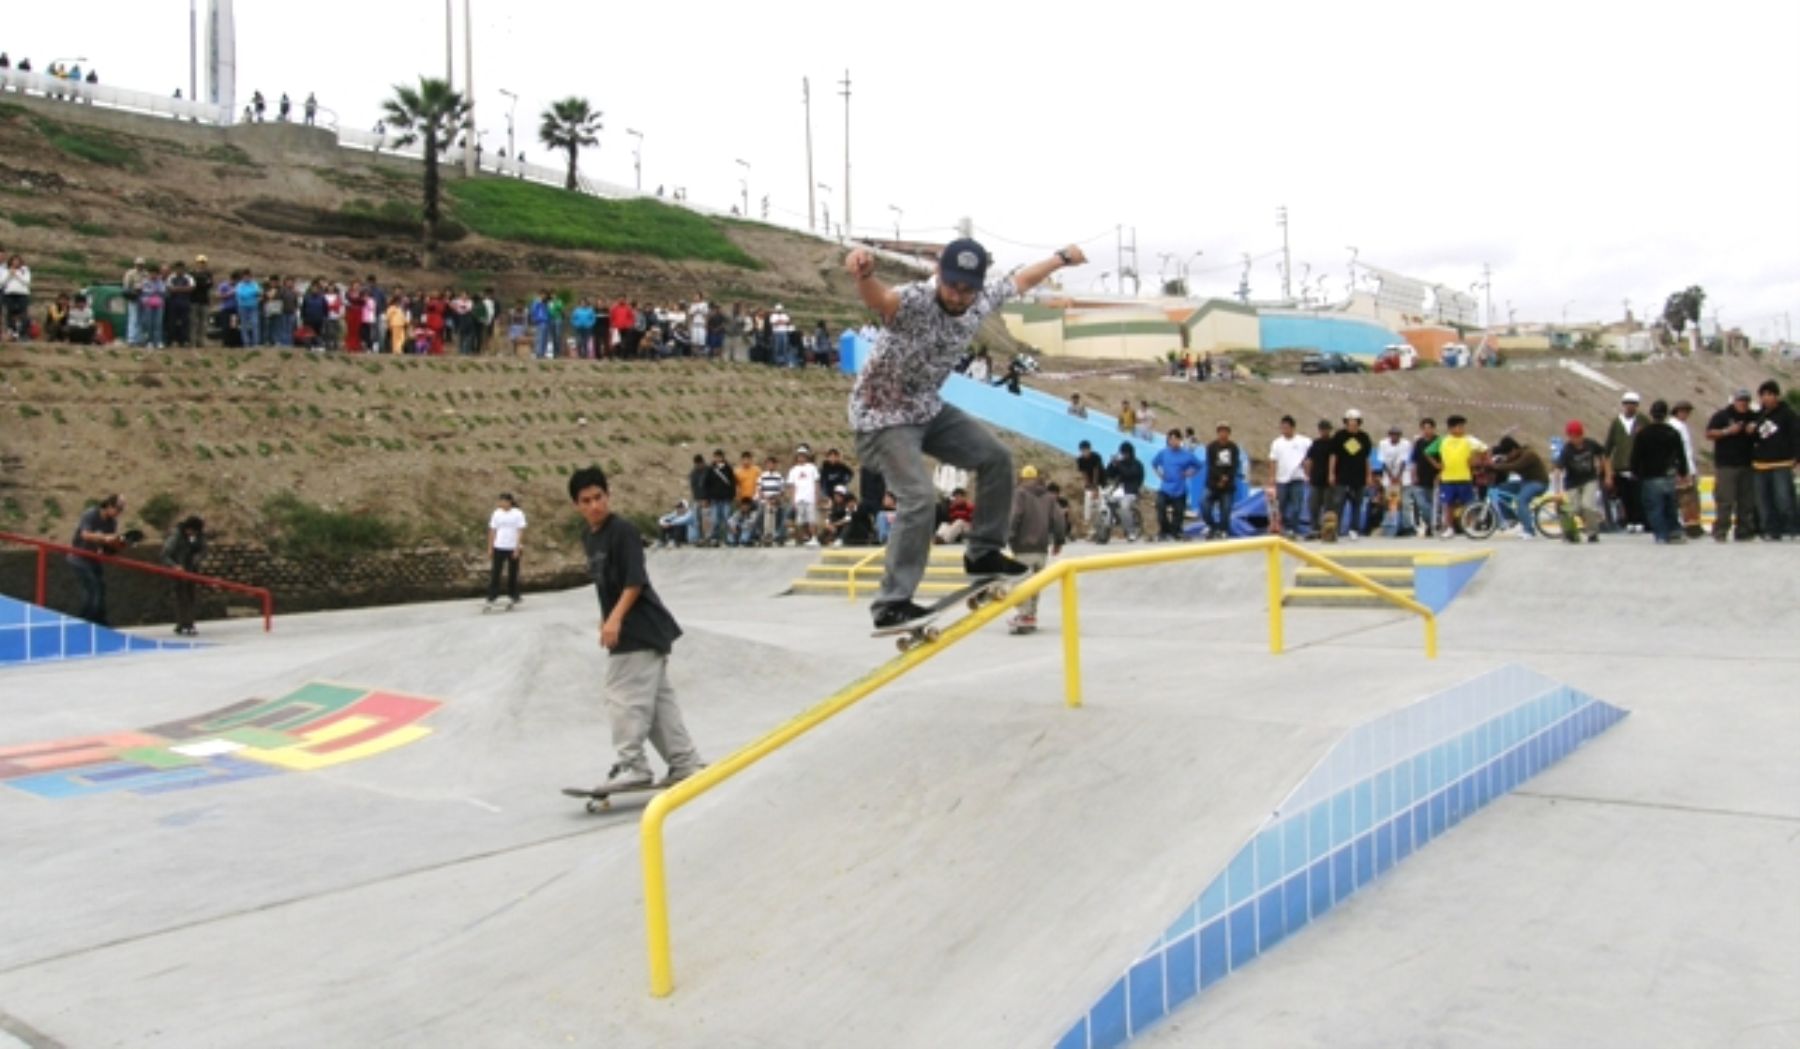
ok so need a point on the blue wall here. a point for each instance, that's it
(30, 634)
(1289, 331)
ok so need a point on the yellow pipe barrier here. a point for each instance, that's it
(860, 565)
(1063, 573)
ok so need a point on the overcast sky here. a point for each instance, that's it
(1590, 151)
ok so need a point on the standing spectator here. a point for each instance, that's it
(286, 107)
(834, 472)
(1076, 408)
(1687, 494)
(274, 322)
(1318, 476)
(1396, 454)
(1092, 471)
(1287, 466)
(1620, 436)
(544, 321)
(203, 291)
(803, 481)
(582, 319)
(697, 499)
(638, 634)
(1348, 474)
(1127, 418)
(1223, 460)
(1035, 533)
(258, 106)
(249, 309)
(468, 331)
(696, 321)
(1773, 456)
(1454, 456)
(623, 318)
(1581, 468)
(487, 312)
(334, 314)
(771, 487)
(1659, 462)
(15, 291)
(312, 109)
(1732, 430)
(150, 307)
(781, 329)
(1173, 466)
(129, 286)
(396, 325)
(313, 312)
(178, 308)
(96, 532)
(745, 475)
(506, 544)
(1146, 422)
(182, 550)
(720, 490)
(1425, 479)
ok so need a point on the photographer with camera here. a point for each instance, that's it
(96, 532)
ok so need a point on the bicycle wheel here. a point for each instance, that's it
(1479, 520)
(1548, 520)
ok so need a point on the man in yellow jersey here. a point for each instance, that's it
(1452, 455)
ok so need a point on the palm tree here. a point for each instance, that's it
(569, 125)
(430, 113)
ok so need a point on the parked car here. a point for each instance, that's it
(1330, 363)
(1396, 358)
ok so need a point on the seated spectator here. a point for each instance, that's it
(958, 518)
(79, 325)
(1076, 408)
(675, 525)
(884, 521)
(837, 517)
(56, 319)
(745, 525)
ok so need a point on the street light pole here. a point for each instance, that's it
(812, 209)
(846, 94)
(511, 150)
(825, 207)
(744, 183)
(469, 86)
(897, 216)
(637, 157)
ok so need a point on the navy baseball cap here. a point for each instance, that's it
(964, 262)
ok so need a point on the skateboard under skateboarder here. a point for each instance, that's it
(899, 417)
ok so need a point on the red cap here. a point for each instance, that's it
(1574, 428)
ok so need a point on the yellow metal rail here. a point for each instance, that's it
(878, 553)
(1064, 573)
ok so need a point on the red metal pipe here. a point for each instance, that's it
(45, 548)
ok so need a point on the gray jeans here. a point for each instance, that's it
(1734, 502)
(640, 703)
(899, 453)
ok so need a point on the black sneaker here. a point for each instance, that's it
(994, 563)
(898, 614)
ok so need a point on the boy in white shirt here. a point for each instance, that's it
(506, 541)
(1287, 465)
(804, 480)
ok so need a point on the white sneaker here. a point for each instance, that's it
(812, 542)
(623, 778)
(1448, 533)
(1350, 535)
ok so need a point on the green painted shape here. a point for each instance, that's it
(1032, 312)
(308, 702)
(1217, 306)
(157, 758)
(265, 739)
(1113, 329)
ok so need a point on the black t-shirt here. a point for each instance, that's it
(1318, 459)
(615, 556)
(832, 476)
(1735, 449)
(1091, 469)
(1351, 451)
(1222, 461)
(1580, 461)
(1424, 473)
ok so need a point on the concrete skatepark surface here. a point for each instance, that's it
(958, 861)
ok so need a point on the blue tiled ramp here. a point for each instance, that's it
(32, 634)
(1389, 788)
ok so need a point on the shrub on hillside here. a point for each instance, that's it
(159, 511)
(306, 531)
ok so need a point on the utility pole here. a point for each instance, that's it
(812, 206)
(511, 148)
(744, 181)
(1487, 294)
(1354, 252)
(449, 70)
(851, 230)
(897, 215)
(1119, 253)
(1137, 286)
(1243, 289)
(194, 50)
(469, 87)
(1287, 260)
(637, 156)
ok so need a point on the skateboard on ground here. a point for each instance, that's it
(601, 800)
(1272, 498)
(1687, 499)
(923, 630)
(1328, 526)
(495, 606)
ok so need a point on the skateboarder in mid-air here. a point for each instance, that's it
(899, 418)
(638, 634)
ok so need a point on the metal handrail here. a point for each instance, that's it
(45, 548)
(864, 563)
(650, 829)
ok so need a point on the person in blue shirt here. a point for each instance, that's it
(1173, 465)
(249, 310)
(582, 319)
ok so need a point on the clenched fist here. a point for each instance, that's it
(861, 264)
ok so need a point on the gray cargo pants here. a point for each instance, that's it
(898, 452)
(640, 703)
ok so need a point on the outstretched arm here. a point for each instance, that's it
(1034, 274)
(877, 296)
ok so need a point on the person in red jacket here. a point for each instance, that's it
(622, 318)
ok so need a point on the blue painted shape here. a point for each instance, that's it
(1296, 907)
(1144, 1001)
(13, 648)
(1327, 333)
(1241, 931)
(1182, 962)
(1215, 959)
(1268, 858)
(1318, 884)
(1271, 919)
(1241, 876)
(1212, 901)
(45, 643)
(1076, 1038)
(1435, 586)
(1045, 420)
(30, 634)
(12, 613)
(1106, 1020)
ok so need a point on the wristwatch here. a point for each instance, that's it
(1063, 254)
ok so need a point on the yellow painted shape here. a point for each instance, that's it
(299, 759)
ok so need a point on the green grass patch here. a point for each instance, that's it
(95, 147)
(306, 531)
(28, 220)
(510, 209)
(228, 154)
(91, 229)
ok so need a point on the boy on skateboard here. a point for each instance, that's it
(899, 418)
(638, 634)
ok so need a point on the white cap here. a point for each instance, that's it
(1630, 397)
(1353, 414)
